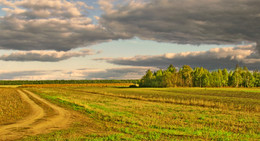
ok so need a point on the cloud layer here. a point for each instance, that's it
(188, 21)
(85, 73)
(120, 73)
(49, 25)
(24, 75)
(63, 25)
(212, 59)
(45, 56)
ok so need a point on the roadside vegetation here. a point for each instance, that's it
(113, 113)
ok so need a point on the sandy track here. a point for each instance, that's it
(37, 122)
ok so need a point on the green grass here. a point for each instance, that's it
(158, 113)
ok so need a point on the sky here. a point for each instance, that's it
(121, 39)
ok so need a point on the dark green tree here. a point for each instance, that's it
(159, 78)
(171, 69)
(256, 75)
(186, 73)
(147, 80)
(224, 77)
(197, 77)
(248, 78)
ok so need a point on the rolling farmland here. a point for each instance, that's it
(121, 113)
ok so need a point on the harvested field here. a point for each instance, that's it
(158, 113)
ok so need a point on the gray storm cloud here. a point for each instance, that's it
(49, 25)
(212, 59)
(45, 56)
(63, 25)
(188, 21)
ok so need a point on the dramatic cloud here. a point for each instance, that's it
(45, 56)
(63, 25)
(187, 21)
(49, 25)
(213, 59)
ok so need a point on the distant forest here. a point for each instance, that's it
(23, 82)
(200, 77)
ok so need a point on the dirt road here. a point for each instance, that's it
(39, 121)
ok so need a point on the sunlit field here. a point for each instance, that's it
(12, 107)
(121, 113)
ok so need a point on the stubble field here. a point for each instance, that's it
(120, 113)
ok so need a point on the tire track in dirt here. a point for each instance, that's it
(58, 121)
(37, 122)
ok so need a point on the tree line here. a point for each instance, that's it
(22, 82)
(200, 77)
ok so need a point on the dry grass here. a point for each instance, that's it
(145, 114)
(228, 99)
(12, 107)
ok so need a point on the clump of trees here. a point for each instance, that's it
(200, 77)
